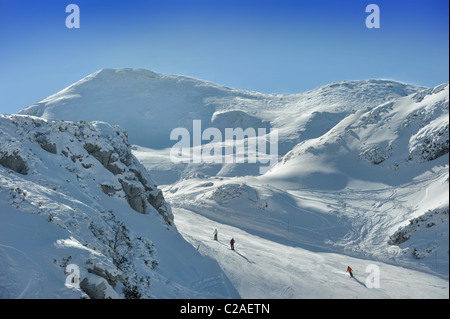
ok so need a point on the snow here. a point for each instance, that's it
(149, 105)
(261, 268)
(57, 215)
(297, 242)
(361, 181)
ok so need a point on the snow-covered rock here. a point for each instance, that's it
(417, 236)
(98, 288)
(72, 196)
(99, 140)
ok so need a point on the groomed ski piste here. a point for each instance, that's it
(261, 268)
(273, 259)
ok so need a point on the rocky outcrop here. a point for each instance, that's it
(98, 288)
(45, 143)
(15, 161)
(107, 157)
(85, 144)
(140, 192)
(134, 192)
(112, 276)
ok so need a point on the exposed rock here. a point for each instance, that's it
(139, 192)
(135, 195)
(430, 143)
(109, 189)
(98, 141)
(156, 200)
(101, 154)
(45, 143)
(14, 161)
(98, 288)
(111, 276)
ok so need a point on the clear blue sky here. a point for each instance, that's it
(274, 46)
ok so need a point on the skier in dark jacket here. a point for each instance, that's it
(215, 234)
(232, 243)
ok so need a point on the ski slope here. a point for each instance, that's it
(298, 244)
(261, 268)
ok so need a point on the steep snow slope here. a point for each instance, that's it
(391, 144)
(74, 201)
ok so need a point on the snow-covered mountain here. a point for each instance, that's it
(73, 197)
(149, 106)
(374, 187)
(399, 137)
(362, 180)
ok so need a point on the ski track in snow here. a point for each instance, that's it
(26, 272)
(260, 268)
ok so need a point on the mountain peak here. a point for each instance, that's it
(140, 100)
(122, 73)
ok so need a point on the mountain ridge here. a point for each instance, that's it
(143, 97)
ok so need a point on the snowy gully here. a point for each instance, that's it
(241, 308)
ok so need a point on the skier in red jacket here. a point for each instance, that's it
(350, 271)
(232, 243)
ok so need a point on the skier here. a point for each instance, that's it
(215, 234)
(350, 271)
(232, 243)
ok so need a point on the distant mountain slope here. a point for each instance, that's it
(149, 105)
(387, 164)
(77, 209)
(391, 143)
